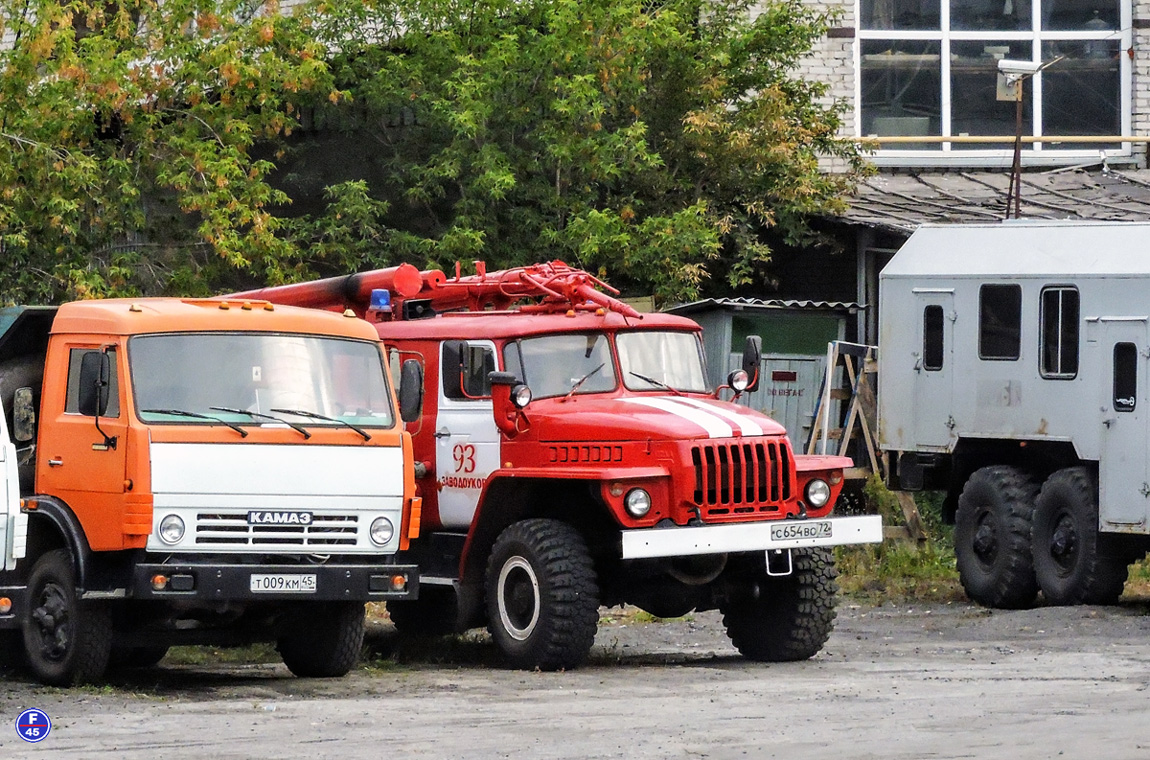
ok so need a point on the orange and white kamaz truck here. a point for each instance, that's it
(569, 454)
(196, 472)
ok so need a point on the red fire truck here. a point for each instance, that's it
(569, 454)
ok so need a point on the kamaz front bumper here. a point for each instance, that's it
(650, 543)
(350, 582)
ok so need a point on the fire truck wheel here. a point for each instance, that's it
(992, 537)
(1067, 562)
(323, 640)
(432, 614)
(136, 657)
(66, 641)
(542, 595)
(785, 618)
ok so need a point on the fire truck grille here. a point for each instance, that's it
(588, 453)
(741, 477)
(218, 528)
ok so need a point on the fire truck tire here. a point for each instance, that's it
(1067, 563)
(66, 641)
(542, 595)
(323, 640)
(432, 614)
(136, 657)
(785, 618)
(992, 537)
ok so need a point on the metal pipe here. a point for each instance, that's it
(998, 139)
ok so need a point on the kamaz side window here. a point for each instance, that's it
(999, 321)
(1059, 349)
(72, 402)
(1125, 377)
(932, 338)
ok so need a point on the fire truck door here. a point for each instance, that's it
(466, 439)
(1123, 487)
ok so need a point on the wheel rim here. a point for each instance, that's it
(1064, 544)
(518, 598)
(53, 623)
(985, 541)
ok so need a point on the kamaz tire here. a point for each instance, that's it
(542, 596)
(432, 614)
(1067, 563)
(66, 641)
(785, 618)
(992, 537)
(323, 640)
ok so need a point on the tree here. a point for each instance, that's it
(655, 143)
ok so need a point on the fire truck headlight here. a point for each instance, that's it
(818, 493)
(738, 380)
(638, 502)
(171, 529)
(381, 531)
(520, 396)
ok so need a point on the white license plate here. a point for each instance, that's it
(805, 529)
(279, 583)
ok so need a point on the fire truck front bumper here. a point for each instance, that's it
(651, 543)
(227, 582)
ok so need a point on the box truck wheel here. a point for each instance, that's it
(542, 595)
(1067, 562)
(992, 537)
(323, 640)
(66, 641)
(785, 618)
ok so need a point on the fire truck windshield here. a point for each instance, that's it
(557, 365)
(659, 360)
(177, 376)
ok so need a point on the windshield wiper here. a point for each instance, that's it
(231, 410)
(184, 413)
(658, 383)
(314, 416)
(579, 383)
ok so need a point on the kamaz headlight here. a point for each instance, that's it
(382, 531)
(171, 529)
(818, 493)
(638, 502)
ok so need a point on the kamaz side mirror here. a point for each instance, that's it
(23, 415)
(752, 361)
(410, 390)
(95, 383)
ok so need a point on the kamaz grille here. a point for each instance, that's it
(741, 477)
(233, 530)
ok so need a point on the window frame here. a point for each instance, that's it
(1114, 391)
(975, 154)
(982, 348)
(1042, 332)
(927, 333)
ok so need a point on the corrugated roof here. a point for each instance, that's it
(760, 304)
(903, 202)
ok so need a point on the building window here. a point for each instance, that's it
(1059, 337)
(1125, 377)
(999, 321)
(930, 68)
(932, 338)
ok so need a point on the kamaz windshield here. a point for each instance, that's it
(242, 378)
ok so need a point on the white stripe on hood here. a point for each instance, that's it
(714, 425)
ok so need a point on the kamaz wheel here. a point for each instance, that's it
(785, 618)
(542, 596)
(323, 640)
(992, 537)
(66, 641)
(1067, 563)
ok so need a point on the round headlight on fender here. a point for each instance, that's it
(381, 531)
(738, 380)
(171, 529)
(818, 493)
(520, 396)
(637, 502)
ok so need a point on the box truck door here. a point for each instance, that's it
(934, 368)
(1124, 490)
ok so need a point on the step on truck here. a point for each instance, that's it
(1013, 377)
(196, 472)
(569, 454)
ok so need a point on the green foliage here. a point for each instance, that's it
(144, 146)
